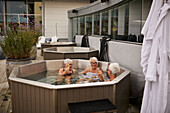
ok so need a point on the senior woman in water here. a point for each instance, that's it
(93, 70)
(113, 70)
(67, 71)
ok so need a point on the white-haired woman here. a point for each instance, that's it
(93, 70)
(67, 71)
(113, 70)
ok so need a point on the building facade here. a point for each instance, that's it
(114, 18)
(51, 14)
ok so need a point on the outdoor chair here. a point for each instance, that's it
(96, 106)
(41, 39)
(54, 39)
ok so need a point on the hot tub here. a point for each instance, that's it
(56, 44)
(30, 96)
(69, 52)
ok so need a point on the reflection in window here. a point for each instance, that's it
(114, 23)
(16, 7)
(75, 28)
(34, 8)
(126, 19)
(82, 26)
(18, 14)
(96, 24)
(23, 19)
(1, 24)
(89, 25)
(12, 18)
(105, 23)
(1, 6)
(34, 20)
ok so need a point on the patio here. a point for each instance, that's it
(5, 93)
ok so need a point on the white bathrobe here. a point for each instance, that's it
(155, 61)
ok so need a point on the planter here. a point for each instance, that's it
(34, 55)
(11, 63)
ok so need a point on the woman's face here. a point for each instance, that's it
(93, 64)
(69, 65)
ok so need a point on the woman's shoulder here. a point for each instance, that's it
(74, 70)
(61, 69)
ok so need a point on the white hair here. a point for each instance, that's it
(94, 58)
(115, 68)
(66, 61)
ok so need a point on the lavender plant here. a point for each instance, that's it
(18, 42)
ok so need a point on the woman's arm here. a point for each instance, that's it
(100, 75)
(61, 72)
(74, 71)
(112, 76)
(85, 71)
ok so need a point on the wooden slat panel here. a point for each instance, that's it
(63, 102)
(42, 100)
(111, 93)
(88, 93)
(47, 101)
(29, 98)
(106, 90)
(70, 95)
(53, 101)
(37, 100)
(76, 95)
(13, 96)
(122, 94)
(100, 92)
(25, 99)
(114, 94)
(94, 93)
(82, 94)
(59, 101)
(33, 99)
(17, 97)
(20, 97)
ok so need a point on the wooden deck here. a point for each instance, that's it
(5, 93)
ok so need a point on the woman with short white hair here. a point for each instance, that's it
(67, 71)
(93, 70)
(113, 70)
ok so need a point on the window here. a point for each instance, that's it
(14, 7)
(126, 19)
(96, 24)
(75, 28)
(82, 26)
(105, 23)
(17, 13)
(89, 25)
(114, 23)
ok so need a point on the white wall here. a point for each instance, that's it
(56, 18)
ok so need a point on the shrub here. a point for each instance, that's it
(18, 43)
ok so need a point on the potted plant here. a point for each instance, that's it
(36, 32)
(18, 46)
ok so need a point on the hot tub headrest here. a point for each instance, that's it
(81, 64)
